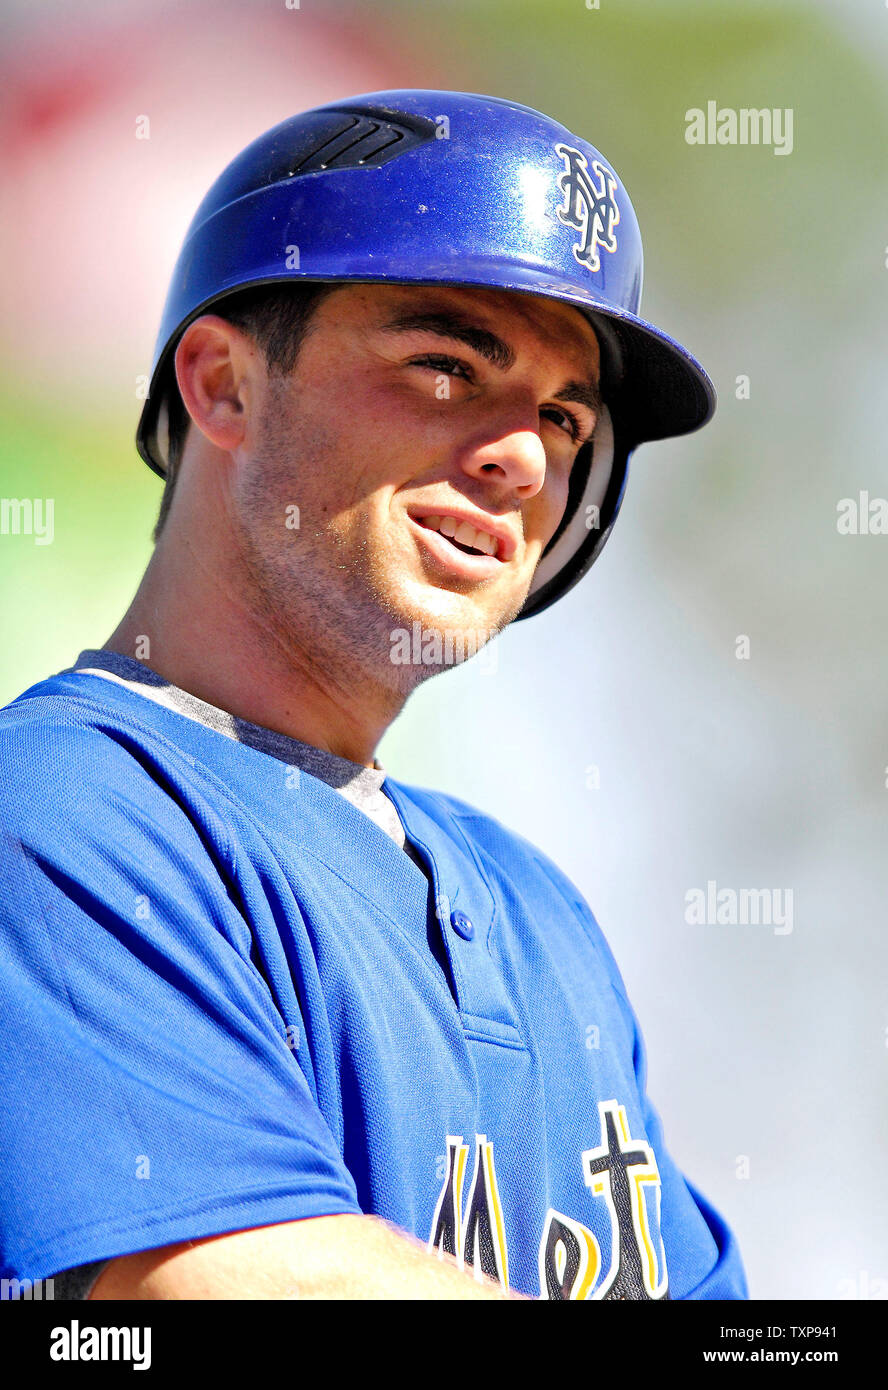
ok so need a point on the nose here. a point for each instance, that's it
(511, 450)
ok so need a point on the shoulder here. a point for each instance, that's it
(85, 777)
(105, 820)
(64, 714)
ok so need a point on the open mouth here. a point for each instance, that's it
(462, 535)
(466, 549)
(458, 549)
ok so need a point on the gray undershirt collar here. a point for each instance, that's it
(362, 786)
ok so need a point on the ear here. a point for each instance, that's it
(216, 365)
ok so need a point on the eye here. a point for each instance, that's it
(439, 362)
(565, 421)
(443, 362)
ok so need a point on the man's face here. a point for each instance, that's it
(414, 411)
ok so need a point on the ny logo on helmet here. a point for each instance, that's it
(589, 207)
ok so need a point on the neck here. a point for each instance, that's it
(206, 633)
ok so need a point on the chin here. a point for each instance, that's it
(450, 611)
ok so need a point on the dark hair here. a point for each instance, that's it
(277, 317)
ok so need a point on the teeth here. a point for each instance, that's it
(463, 532)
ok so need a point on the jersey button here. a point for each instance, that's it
(462, 924)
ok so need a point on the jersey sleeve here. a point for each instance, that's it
(148, 1091)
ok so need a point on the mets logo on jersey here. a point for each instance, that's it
(624, 1182)
(589, 205)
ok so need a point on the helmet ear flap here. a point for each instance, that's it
(166, 422)
(596, 491)
(161, 449)
(586, 493)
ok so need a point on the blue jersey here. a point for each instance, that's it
(230, 999)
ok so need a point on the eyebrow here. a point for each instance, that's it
(448, 324)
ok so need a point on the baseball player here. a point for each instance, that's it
(277, 1024)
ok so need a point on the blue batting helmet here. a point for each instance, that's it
(451, 188)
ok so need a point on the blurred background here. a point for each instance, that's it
(619, 731)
